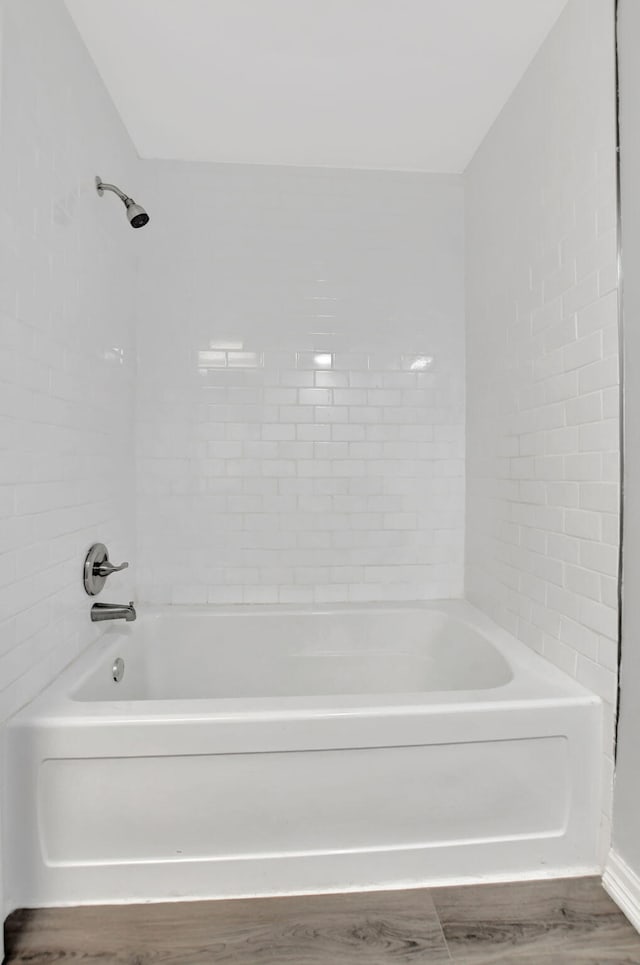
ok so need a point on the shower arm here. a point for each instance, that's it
(101, 187)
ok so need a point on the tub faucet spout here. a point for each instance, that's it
(113, 611)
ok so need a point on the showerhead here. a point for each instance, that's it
(136, 214)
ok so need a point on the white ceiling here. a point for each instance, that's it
(403, 84)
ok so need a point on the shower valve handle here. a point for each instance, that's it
(97, 568)
(107, 568)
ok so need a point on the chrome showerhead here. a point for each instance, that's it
(136, 214)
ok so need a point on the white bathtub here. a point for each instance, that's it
(258, 751)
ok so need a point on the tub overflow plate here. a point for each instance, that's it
(117, 671)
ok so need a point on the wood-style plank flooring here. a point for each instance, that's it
(560, 922)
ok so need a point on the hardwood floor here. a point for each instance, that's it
(571, 921)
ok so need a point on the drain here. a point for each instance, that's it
(117, 671)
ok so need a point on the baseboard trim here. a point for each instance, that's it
(623, 885)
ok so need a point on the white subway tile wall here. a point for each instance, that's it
(300, 381)
(300, 386)
(66, 343)
(542, 359)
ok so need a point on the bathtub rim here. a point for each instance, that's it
(535, 681)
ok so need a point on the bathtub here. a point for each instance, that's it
(258, 751)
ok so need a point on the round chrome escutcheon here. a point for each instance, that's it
(117, 671)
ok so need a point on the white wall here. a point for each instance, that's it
(626, 830)
(66, 364)
(542, 358)
(275, 477)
